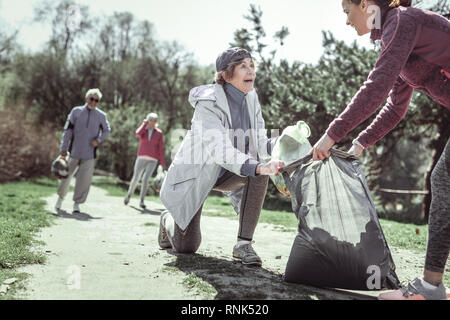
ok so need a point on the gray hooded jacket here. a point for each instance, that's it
(206, 149)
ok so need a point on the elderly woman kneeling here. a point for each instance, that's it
(225, 150)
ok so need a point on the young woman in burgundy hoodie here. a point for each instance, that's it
(415, 54)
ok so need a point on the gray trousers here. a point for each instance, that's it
(438, 246)
(188, 241)
(83, 171)
(142, 167)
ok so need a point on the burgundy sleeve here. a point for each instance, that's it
(390, 115)
(141, 131)
(398, 40)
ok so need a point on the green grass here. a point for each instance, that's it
(404, 235)
(22, 215)
(150, 224)
(193, 282)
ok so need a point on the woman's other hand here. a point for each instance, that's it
(270, 168)
(356, 149)
(321, 149)
(94, 143)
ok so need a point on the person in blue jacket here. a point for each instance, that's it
(86, 128)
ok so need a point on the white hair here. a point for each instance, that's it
(151, 116)
(95, 91)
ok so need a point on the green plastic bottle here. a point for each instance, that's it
(292, 145)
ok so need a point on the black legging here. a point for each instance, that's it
(188, 241)
(439, 221)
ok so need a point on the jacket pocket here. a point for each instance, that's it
(174, 193)
(182, 186)
(181, 173)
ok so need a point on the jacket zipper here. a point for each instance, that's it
(89, 116)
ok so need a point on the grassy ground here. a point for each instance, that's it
(22, 215)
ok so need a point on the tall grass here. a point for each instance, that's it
(22, 215)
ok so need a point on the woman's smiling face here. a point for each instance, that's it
(357, 16)
(244, 76)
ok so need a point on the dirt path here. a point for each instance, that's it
(110, 251)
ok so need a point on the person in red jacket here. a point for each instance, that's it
(151, 150)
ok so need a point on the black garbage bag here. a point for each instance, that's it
(340, 243)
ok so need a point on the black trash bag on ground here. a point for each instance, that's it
(340, 243)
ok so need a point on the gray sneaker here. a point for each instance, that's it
(58, 204)
(247, 255)
(163, 239)
(76, 208)
(415, 291)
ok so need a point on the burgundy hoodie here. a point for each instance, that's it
(154, 147)
(415, 54)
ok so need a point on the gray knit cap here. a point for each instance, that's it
(229, 56)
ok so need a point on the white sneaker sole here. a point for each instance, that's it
(256, 263)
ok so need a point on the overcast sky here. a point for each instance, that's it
(206, 27)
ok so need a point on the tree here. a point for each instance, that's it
(7, 47)
(173, 70)
(440, 6)
(122, 37)
(69, 21)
